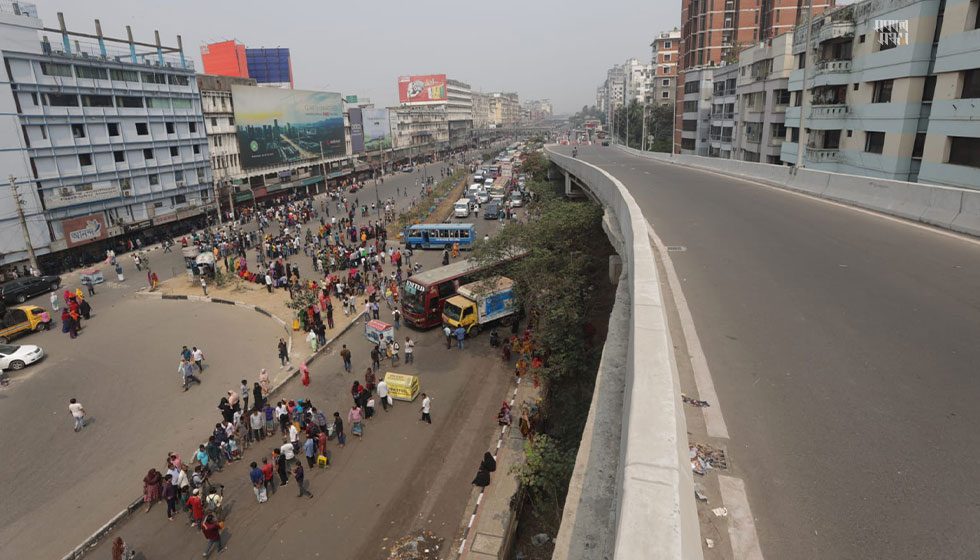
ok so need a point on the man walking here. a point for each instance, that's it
(198, 356)
(409, 351)
(449, 336)
(258, 482)
(460, 336)
(301, 481)
(426, 406)
(212, 532)
(376, 358)
(280, 460)
(267, 480)
(186, 370)
(309, 449)
(77, 414)
(383, 393)
(345, 354)
(283, 353)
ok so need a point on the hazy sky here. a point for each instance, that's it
(555, 49)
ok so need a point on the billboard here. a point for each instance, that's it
(269, 66)
(84, 229)
(356, 130)
(377, 129)
(278, 126)
(417, 89)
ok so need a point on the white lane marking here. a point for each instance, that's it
(713, 420)
(745, 540)
(646, 172)
(934, 229)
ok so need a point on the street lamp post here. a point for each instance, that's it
(803, 91)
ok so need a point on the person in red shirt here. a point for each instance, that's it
(212, 532)
(197, 508)
(267, 472)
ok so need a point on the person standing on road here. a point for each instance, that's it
(196, 507)
(338, 428)
(283, 353)
(426, 408)
(301, 481)
(268, 282)
(345, 354)
(396, 317)
(212, 532)
(309, 449)
(170, 495)
(198, 357)
(280, 460)
(186, 370)
(257, 424)
(258, 482)
(267, 479)
(383, 393)
(77, 414)
(244, 395)
(460, 336)
(54, 301)
(449, 337)
(409, 351)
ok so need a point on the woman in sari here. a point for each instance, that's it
(152, 487)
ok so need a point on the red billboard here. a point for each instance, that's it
(419, 89)
(84, 229)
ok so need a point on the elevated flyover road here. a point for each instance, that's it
(845, 352)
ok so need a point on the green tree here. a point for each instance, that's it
(544, 474)
(660, 126)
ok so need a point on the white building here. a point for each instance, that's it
(419, 125)
(763, 97)
(459, 111)
(696, 111)
(101, 140)
(723, 129)
(636, 81)
(481, 110)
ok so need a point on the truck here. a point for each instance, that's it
(479, 305)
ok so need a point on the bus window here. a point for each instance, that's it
(446, 289)
(464, 234)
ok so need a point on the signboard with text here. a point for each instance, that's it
(356, 130)
(377, 129)
(421, 89)
(84, 229)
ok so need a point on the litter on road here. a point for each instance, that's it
(704, 457)
(421, 545)
(720, 512)
(694, 402)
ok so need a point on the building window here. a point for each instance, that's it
(154, 78)
(129, 102)
(173, 151)
(182, 103)
(119, 156)
(849, 131)
(861, 38)
(882, 91)
(85, 159)
(963, 150)
(176, 80)
(55, 69)
(200, 174)
(91, 72)
(781, 96)
(197, 148)
(929, 88)
(96, 101)
(666, 57)
(666, 44)
(154, 179)
(231, 121)
(78, 131)
(179, 177)
(192, 127)
(971, 83)
(61, 100)
(148, 154)
(919, 145)
(874, 142)
(157, 102)
(142, 129)
(170, 127)
(665, 95)
(112, 129)
(214, 121)
(801, 60)
(976, 18)
(665, 82)
(124, 75)
(857, 85)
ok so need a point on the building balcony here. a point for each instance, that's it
(753, 138)
(828, 111)
(836, 30)
(758, 108)
(822, 155)
(832, 66)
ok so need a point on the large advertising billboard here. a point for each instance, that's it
(356, 130)
(277, 126)
(417, 89)
(84, 229)
(377, 129)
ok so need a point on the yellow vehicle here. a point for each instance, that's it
(21, 320)
(477, 305)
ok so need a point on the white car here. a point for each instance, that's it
(19, 357)
(461, 209)
(483, 196)
(516, 200)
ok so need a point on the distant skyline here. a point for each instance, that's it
(544, 49)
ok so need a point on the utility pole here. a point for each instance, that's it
(643, 139)
(806, 72)
(23, 222)
(627, 123)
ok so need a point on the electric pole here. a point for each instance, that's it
(23, 222)
(803, 92)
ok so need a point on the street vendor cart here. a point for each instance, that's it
(375, 330)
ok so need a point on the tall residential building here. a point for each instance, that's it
(893, 91)
(601, 98)
(666, 49)
(505, 108)
(226, 58)
(481, 110)
(103, 138)
(636, 80)
(763, 97)
(615, 85)
(714, 31)
(418, 125)
(696, 111)
(459, 111)
(722, 131)
(538, 109)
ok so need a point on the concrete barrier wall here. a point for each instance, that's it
(950, 208)
(654, 515)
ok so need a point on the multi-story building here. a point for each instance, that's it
(481, 110)
(664, 67)
(714, 31)
(505, 108)
(459, 111)
(615, 82)
(636, 81)
(103, 138)
(602, 98)
(696, 111)
(722, 130)
(891, 91)
(763, 96)
(419, 125)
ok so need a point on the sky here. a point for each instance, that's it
(542, 49)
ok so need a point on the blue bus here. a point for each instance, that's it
(437, 236)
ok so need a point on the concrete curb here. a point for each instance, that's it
(82, 549)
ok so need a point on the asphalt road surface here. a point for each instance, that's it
(844, 350)
(58, 487)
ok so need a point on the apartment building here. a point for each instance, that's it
(481, 110)
(615, 82)
(636, 80)
(723, 129)
(763, 97)
(419, 125)
(714, 31)
(696, 111)
(459, 111)
(104, 138)
(892, 91)
(663, 63)
(601, 98)
(505, 108)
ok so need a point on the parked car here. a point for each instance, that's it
(19, 357)
(491, 211)
(22, 289)
(407, 168)
(22, 319)
(516, 200)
